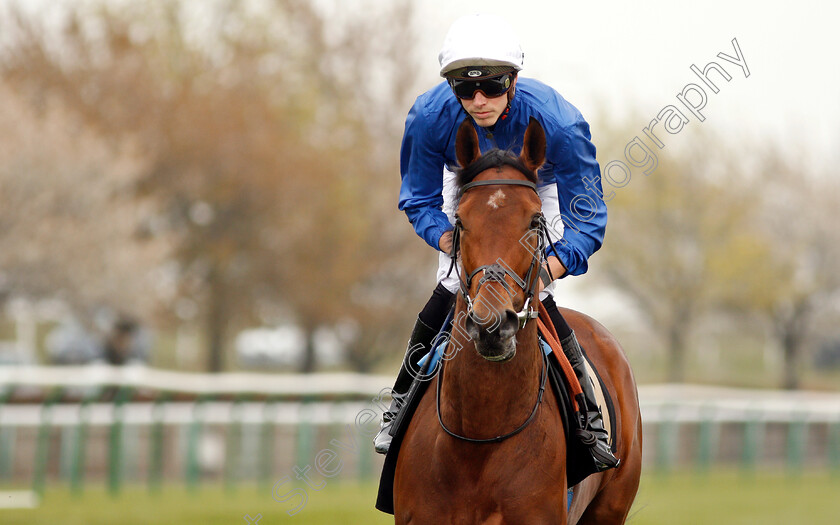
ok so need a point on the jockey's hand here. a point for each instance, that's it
(557, 270)
(445, 242)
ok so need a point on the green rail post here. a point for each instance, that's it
(666, 439)
(115, 441)
(233, 445)
(66, 440)
(365, 459)
(706, 439)
(753, 442)
(365, 467)
(796, 438)
(193, 469)
(834, 449)
(334, 425)
(306, 433)
(266, 463)
(42, 445)
(7, 439)
(77, 464)
(156, 433)
(130, 457)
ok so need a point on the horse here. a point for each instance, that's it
(486, 443)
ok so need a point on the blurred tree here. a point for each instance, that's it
(265, 136)
(786, 273)
(716, 229)
(68, 222)
(670, 233)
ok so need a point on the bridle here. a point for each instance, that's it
(496, 273)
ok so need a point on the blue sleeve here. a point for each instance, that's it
(582, 207)
(421, 169)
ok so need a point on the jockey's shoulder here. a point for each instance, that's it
(547, 104)
(438, 103)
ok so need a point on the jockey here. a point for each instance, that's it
(480, 62)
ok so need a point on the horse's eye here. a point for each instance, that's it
(458, 223)
(536, 221)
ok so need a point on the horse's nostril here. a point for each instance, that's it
(471, 326)
(501, 325)
(510, 324)
(511, 317)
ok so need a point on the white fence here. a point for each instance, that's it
(55, 420)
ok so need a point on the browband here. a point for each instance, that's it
(509, 182)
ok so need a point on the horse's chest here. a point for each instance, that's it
(518, 481)
(505, 488)
(463, 509)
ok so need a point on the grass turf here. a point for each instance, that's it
(718, 497)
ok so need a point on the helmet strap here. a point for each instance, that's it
(507, 109)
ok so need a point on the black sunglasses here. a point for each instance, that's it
(491, 87)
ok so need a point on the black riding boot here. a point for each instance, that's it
(418, 346)
(591, 432)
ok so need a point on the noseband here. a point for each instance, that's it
(497, 271)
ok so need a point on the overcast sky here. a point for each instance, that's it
(632, 58)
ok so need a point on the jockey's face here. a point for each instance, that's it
(485, 110)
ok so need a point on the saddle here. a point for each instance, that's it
(563, 381)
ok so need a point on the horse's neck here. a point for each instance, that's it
(482, 398)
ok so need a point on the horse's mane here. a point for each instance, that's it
(495, 158)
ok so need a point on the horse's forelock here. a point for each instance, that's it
(495, 158)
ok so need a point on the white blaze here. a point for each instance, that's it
(496, 199)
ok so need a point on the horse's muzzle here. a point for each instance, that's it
(495, 337)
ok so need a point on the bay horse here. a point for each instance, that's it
(486, 443)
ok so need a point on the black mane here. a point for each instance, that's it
(495, 158)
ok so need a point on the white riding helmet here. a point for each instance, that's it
(480, 40)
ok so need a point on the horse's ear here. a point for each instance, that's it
(533, 150)
(466, 144)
